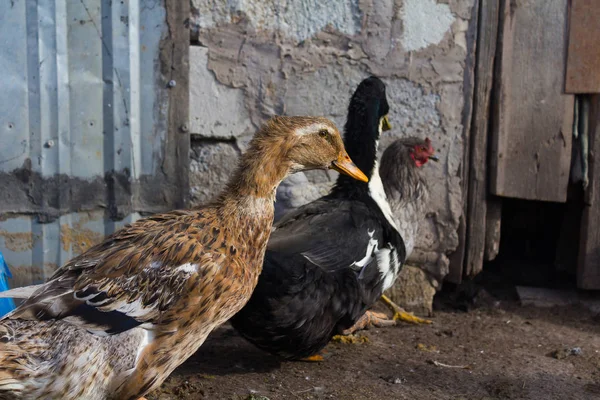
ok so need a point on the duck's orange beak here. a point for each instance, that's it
(344, 165)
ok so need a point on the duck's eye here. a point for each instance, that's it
(323, 133)
(423, 148)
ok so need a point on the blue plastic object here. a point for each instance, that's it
(6, 305)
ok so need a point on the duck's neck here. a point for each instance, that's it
(260, 170)
(361, 141)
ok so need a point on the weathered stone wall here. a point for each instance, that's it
(253, 59)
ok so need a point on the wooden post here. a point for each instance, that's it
(175, 72)
(457, 258)
(478, 183)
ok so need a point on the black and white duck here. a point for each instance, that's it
(329, 261)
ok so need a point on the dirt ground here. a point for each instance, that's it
(499, 351)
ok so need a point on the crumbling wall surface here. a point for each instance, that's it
(253, 59)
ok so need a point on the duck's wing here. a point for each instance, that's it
(136, 276)
(331, 234)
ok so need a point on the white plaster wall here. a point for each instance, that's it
(260, 58)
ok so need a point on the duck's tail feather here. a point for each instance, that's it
(20, 292)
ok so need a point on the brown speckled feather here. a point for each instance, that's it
(115, 321)
(146, 268)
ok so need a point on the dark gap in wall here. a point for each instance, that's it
(539, 247)
(539, 243)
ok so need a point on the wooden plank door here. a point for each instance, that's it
(532, 136)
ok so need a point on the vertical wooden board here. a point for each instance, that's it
(583, 61)
(175, 71)
(457, 258)
(478, 190)
(588, 271)
(531, 142)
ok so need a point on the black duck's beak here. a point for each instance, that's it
(434, 158)
(385, 124)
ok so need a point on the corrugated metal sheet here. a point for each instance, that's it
(79, 85)
(34, 251)
(83, 115)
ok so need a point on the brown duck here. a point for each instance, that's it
(114, 322)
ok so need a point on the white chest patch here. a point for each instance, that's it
(377, 193)
(387, 258)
